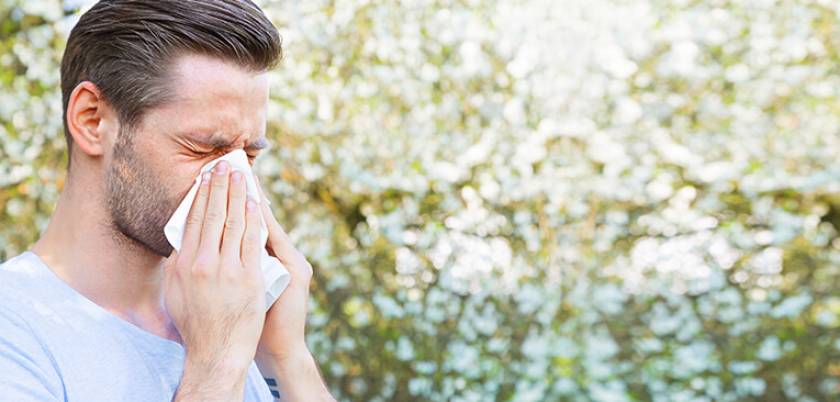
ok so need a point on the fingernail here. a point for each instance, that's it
(205, 177)
(221, 167)
(250, 205)
(236, 176)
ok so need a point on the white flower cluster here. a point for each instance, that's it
(531, 200)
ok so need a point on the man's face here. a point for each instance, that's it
(219, 108)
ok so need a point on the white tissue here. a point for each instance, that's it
(274, 273)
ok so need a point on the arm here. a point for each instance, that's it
(294, 378)
(210, 382)
(282, 355)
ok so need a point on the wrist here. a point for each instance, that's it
(295, 374)
(299, 362)
(218, 365)
(289, 355)
(211, 380)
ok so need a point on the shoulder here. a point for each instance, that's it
(21, 269)
(22, 282)
(13, 325)
(29, 368)
(18, 281)
(26, 301)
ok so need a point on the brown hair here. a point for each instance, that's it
(126, 47)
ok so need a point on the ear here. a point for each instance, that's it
(90, 119)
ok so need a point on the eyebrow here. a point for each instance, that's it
(219, 141)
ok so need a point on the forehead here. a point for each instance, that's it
(214, 99)
(197, 76)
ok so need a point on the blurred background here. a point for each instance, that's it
(525, 200)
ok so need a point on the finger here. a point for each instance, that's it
(251, 247)
(259, 188)
(265, 210)
(214, 218)
(195, 218)
(235, 220)
(270, 220)
(278, 240)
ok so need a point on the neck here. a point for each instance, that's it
(83, 247)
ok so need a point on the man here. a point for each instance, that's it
(101, 308)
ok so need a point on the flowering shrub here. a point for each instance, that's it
(585, 200)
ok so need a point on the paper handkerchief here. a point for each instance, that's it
(274, 273)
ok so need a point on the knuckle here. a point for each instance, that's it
(252, 236)
(251, 240)
(230, 274)
(214, 215)
(306, 269)
(179, 263)
(250, 258)
(247, 247)
(199, 272)
(201, 268)
(252, 281)
(193, 220)
(202, 190)
(219, 181)
(238, 189)
(233, 224)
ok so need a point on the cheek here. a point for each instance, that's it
(182, 167)
(155, 176)
(182, 177)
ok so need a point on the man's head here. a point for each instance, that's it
(153, 90)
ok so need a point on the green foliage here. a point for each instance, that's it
(530, 200)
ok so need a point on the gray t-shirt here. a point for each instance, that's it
(57, 345)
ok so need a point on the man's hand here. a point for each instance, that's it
(214, 290)
(282, 355)
(283, 333)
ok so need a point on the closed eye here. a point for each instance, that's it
(217, 154)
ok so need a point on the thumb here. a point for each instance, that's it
(279, 244)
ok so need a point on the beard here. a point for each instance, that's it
(137, 198)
